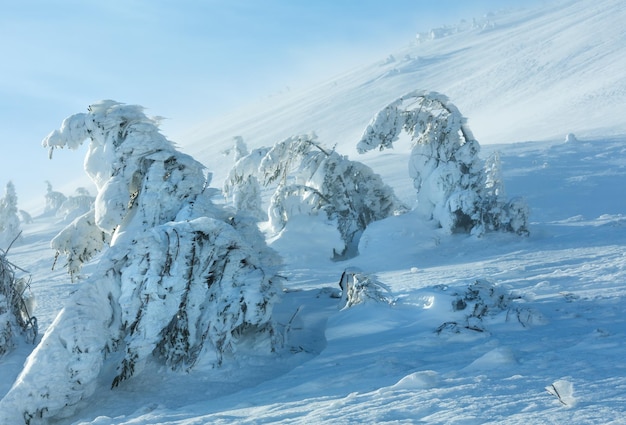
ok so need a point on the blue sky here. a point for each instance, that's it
(185, 60)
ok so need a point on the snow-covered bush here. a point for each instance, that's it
(9, 220)
(79, 242)
(482, 301)
(447, 173)
(15, 307)
(358, 287)
(311, 179)
(182, 282)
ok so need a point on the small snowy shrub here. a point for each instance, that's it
(358, 287)
(183, 281)
(15, 307)
(483, 301)
(79, 242)
(452, 186)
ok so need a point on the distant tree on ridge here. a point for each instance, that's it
(10, 228)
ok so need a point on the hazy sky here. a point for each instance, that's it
(182, 59)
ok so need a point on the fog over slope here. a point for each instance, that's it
(517, 76)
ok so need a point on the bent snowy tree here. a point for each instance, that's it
(453, 186)
(311, 179)
(183, 279)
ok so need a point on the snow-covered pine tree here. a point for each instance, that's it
(310, 179)
(242, 184)
(498, 213)
(15, 307)
(182, 281)
(10, 228)
(449, 177)
(54, 199)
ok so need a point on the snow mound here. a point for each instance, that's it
(563, 390)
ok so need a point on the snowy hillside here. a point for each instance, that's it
(497, 329)
(527, 75)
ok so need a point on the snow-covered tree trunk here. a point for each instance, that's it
(182, 281)
(452, 186)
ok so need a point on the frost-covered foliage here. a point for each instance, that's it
(310, 179)
(182, 282)
(485, 301)
(54, 200)
(358, 287)
(447, 173)
(15, 307)
(9, 220)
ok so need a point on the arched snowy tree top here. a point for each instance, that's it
(453, 187)
(422, 114)
(103, 117)
(114, 129)
(125, 146)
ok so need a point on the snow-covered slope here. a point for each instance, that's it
(539, 334)
(517, 76)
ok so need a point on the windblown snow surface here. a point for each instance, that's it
(549, 342)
